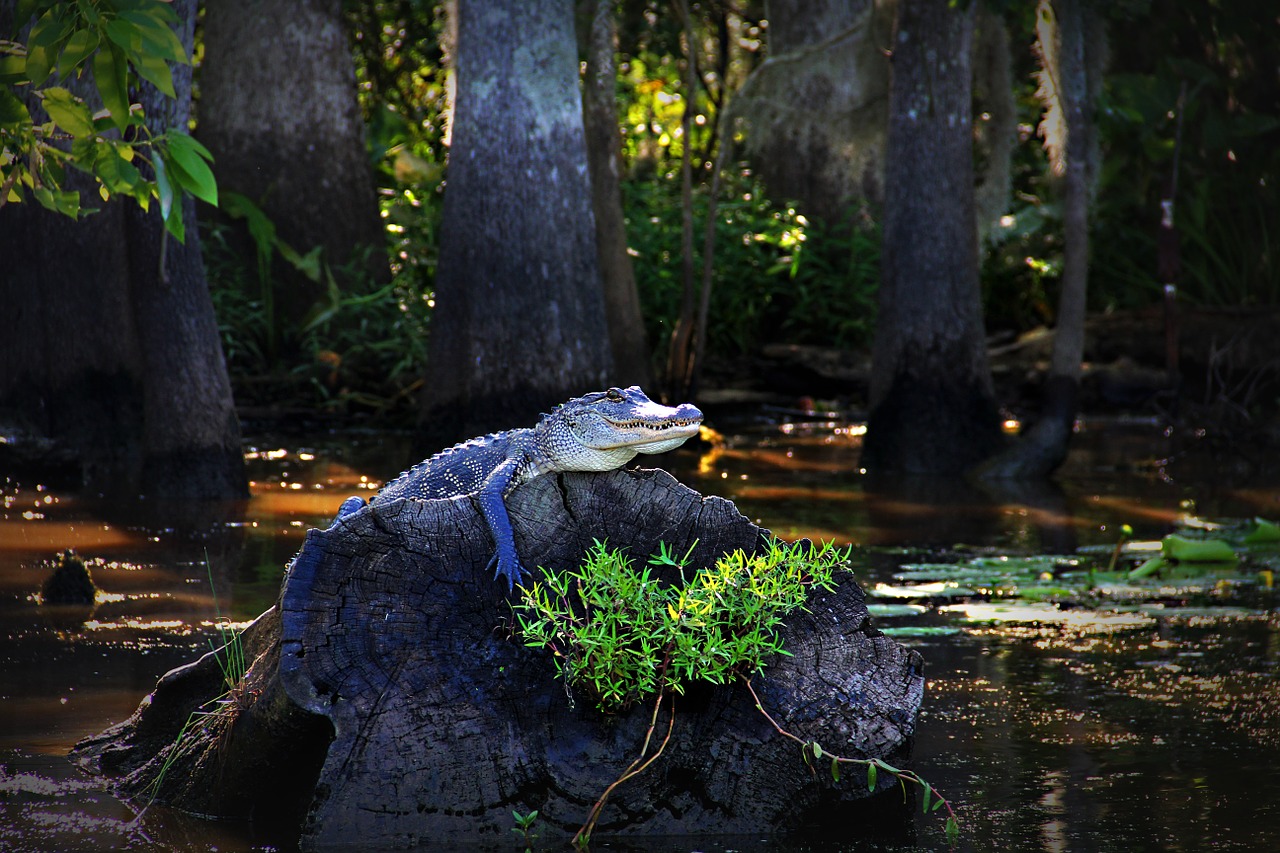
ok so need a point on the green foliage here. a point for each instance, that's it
(524, 827)
(778, 278)
(121, 41)
(622, 635)
(359, 347)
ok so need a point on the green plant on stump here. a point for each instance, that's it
(622, 636)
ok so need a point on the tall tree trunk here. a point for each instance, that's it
(278, 110)
(932, 405)
(600, 121)
(1068, 33)
(814, 112)
(520, 321)
(109, 340)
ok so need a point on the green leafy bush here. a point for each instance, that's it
(622, 635)
(778, 277)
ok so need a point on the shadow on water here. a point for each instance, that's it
(1150, 723)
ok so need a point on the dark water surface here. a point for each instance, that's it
(1153, 727)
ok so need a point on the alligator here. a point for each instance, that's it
(599, 431)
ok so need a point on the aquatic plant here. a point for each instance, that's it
(218, 713)
(623, 636)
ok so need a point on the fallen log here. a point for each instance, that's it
(388, 702)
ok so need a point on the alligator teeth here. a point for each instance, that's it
(656, 427)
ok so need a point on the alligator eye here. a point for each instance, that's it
(613, 395)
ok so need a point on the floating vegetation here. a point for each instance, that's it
(1205, 571)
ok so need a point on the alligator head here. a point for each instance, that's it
(603, 430)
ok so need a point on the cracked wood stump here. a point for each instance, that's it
(390, 628)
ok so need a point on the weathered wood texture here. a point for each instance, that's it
(392, 628)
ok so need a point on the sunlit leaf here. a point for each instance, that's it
(871, 777)
(71, 115)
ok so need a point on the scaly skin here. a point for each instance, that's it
(596, 432)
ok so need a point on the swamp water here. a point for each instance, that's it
(1064, 710)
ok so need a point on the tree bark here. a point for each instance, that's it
(933, 409)
(390, 629)
(604, 154)
(1043, 447)
(815, 111)
(278, 110)
(520, 321)
(109, 339)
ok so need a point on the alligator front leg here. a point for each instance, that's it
(490, 496)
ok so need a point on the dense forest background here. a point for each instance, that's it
(750, 143)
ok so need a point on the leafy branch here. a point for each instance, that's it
(812, 751)
(118, 41)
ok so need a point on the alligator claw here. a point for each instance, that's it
(507, 568)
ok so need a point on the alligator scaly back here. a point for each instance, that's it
(595, 432)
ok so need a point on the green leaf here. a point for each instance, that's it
(157, 37)
(23, 13)
(188, 168)
(13, 68)
(871, 777)
(926, 797)
(953, 830)
(13, 112)
(164, 190)
(155, 70)
(1197, 550)
(126, 35)
(66, 202)
(118, 174)
(79, 46)
(1264, 532)
(109, 76)
(173, 223)
(835, 769)
(42, 46)
(71, 115)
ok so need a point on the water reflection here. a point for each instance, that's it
(1052, 727)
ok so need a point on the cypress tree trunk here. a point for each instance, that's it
(278, 110)
(815, 110)
(600, 122)
(109, 340)
(520, 321)
(932, 405)
(1071, 40)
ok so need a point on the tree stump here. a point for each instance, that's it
(391, 629)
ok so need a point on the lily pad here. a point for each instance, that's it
(1047, 614)
(920, 630)
(891, 611)
(941, 589)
